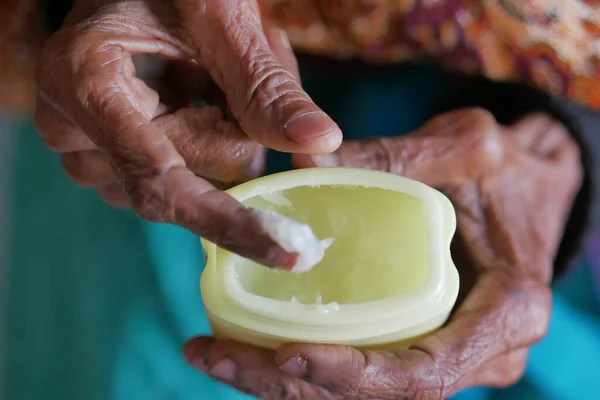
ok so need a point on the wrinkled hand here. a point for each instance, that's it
(512, 188)
(117, 135)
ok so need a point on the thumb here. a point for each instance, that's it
(264, 96)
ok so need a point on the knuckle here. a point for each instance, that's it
(384, 157)
(283, 95)
(66, 55)
(59, 41)
(464, 122)
(50, 55)
(153, 193)
(571, 144)
(247, 159)
(269, 83)
(514, 373)
(56, 55)
(482, 136)
(573, 157)
(377, 153)
(148, 191)
(148, 199)
(478, 116)
(226, 155)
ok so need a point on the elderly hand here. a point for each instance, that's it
(512, 188)
(116, 134)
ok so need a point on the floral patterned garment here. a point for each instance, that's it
(20, 44)
(552, 44)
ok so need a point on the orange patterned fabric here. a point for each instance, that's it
(552, 44)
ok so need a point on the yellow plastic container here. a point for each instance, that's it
(386, 280)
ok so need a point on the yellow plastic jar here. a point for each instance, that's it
(387, 279)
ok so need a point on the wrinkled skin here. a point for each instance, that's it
(512, 188)
(117, 134)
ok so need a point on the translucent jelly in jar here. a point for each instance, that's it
(357, 267)
(386, 279)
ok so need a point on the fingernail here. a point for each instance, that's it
(294, 366)
(282, 260)
(310, 125)
(225, 370)
(326, 160)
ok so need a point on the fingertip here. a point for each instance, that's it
(294, 366)
(195, 350)
(314, 131)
